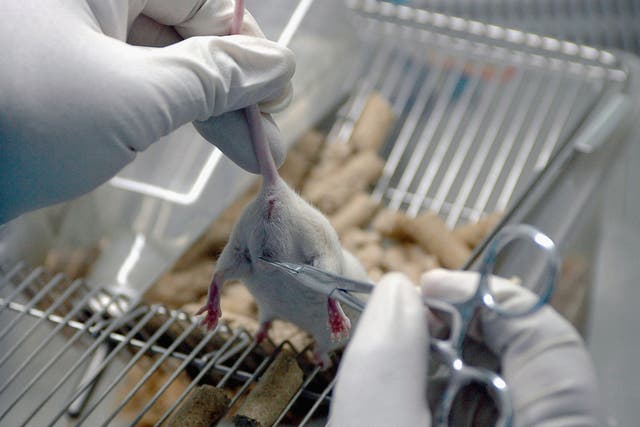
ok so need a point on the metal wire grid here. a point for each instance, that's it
(476, 123)
(602, 23)
(41, 372)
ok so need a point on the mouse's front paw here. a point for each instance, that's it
(212, 307)
(339, 324)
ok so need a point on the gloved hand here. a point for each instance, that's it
(382, 378)
(78, 101)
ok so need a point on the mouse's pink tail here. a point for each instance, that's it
(261, 148)
(238, 16)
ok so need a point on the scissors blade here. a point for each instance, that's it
(329, 284)
(348, 299)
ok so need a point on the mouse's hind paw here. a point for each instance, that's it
(212, 308)
(339, 324)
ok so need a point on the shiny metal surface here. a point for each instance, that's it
(604, 23)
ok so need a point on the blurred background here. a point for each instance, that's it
(614, 25)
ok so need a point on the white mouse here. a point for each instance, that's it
(281, 226)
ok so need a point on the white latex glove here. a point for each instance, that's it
(382, 376)
(78, 102)
(543, 357)
(543, 360)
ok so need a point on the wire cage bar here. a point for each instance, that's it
(156, 357)
(610, 24)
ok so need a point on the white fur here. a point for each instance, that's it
(294, 232)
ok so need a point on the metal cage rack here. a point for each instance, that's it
(482, 109)
(610, 24)
(55, 326)
(483, 115)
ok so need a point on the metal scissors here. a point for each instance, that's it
(461, 314)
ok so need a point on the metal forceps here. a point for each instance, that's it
(449, 350)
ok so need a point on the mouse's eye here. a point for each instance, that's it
(246, 254)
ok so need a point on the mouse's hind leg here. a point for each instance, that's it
(265, 318)
(212, 306)
(338, 322)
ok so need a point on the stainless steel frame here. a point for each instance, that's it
(611, 24)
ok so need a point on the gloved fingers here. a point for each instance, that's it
(393, 308)
(203, 73)
(500, 332)
(214, 18)
(189, 17)
(192, 80)
(547, 367)
(230, 133)
(147, 32)
(199, 17)
(457, 286)
(279, 102)
(543, 357)
(382, 375)
(229, 72)
(544, 361)
(449, 285)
